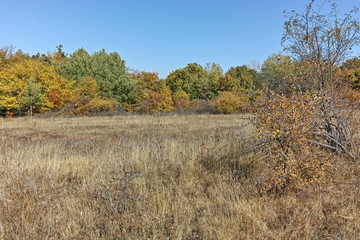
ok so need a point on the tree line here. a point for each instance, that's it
(83, 83)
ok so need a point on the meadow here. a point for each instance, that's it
(156, 177)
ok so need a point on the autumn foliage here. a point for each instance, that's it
(27, 82)
(231, 102)
(309, 127)
(86, 99)
(181, 100)
(159, 100)
(287, 130)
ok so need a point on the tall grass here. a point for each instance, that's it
(145, 177)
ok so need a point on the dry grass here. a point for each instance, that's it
(143, 177)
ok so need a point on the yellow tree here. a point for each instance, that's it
(144, 82)
(20, 76)
(159, 100)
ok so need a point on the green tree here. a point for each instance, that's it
(32, 96)
(225, 83)
(110, 73)
(213, 74)
(192, 79)
(77, 66)
(277, 71)
(351, 64)
(109, 70)
(351, 70)
(244, 77)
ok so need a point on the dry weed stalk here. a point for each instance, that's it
(120, 198)
(158, 137)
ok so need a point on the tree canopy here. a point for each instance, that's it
(109, 70)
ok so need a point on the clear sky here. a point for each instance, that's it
(153, 35)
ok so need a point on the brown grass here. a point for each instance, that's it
(144, 177)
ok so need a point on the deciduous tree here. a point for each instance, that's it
(321, 41)
(307, 130)
(25, 81)
(108, 69)
(277, 72)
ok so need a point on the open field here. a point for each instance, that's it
(146, 177)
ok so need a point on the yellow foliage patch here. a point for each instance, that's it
(287, 128)
(231, 102)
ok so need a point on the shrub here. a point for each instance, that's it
(86, 99)
(181, 100)
(128, 107)
(102, 105)
(157, 100)
(231, 102)
(287, 129)
(304, 135)
(311, 129)
(84, 106)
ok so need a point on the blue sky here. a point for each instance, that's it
(153, 35)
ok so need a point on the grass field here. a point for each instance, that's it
(146, 177)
